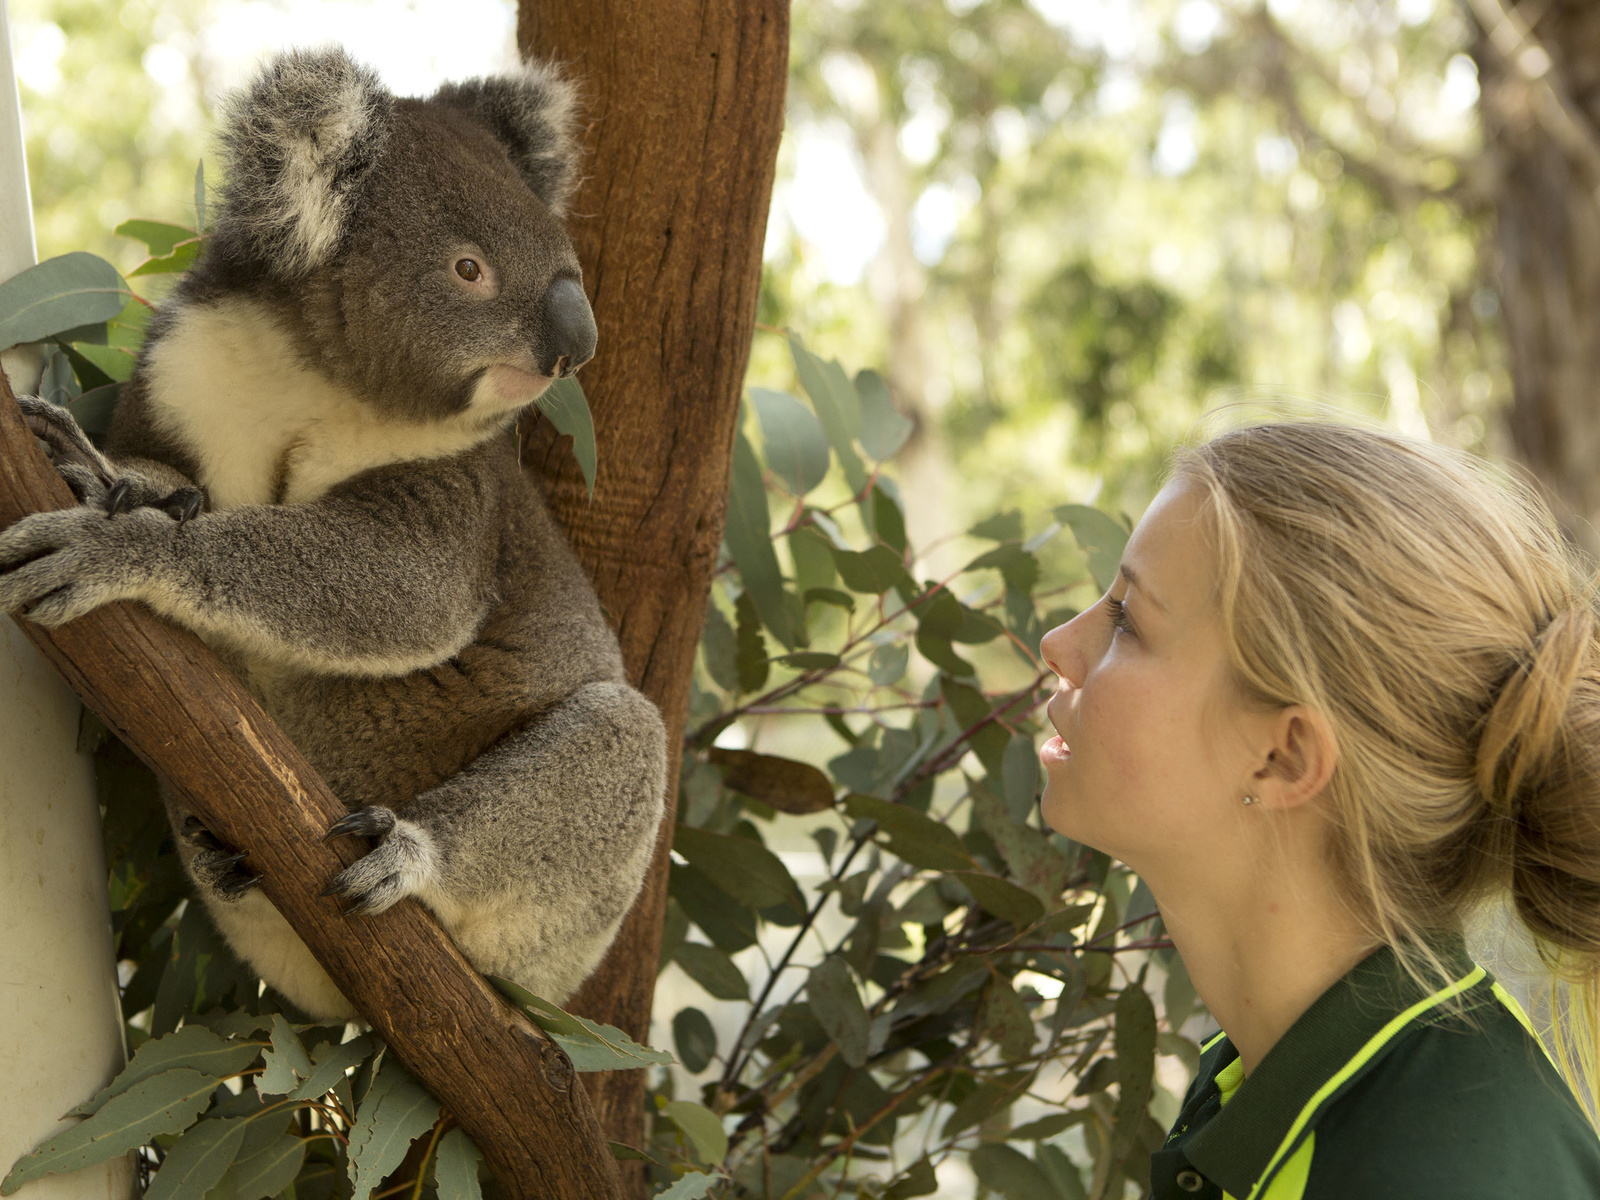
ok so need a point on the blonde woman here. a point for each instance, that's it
(1344, 691)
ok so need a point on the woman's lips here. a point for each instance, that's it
(1054, 751)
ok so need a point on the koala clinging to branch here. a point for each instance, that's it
(314, 467)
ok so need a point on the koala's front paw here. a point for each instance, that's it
(404, 862)
(93, 478)
(55, 566)
(215, 865)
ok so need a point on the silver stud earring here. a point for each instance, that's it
(1252, 799)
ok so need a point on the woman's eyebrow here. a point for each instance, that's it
(1136, 580)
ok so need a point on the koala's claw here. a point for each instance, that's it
(402, 864)
(119, 497)
(215, 864)
(372, 821)
(184, 505)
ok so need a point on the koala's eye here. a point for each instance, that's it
(468, 269)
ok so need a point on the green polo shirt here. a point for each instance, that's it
(1386, 1091)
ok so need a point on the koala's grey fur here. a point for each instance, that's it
(314, 467)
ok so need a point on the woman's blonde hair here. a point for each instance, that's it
(1436, 615)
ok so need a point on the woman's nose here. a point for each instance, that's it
(1063, 649)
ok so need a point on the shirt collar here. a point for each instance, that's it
(1347, 1029)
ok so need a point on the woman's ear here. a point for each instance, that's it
(1300, 760)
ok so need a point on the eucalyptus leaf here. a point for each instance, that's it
(590, 1045)
(193, 1046)
(286, 1062)
(745, 869)
(331, 1060)
(784, 783)
(58, 294)
(456, 1166)
(1001, 897)
(883, 429)
(797, 449)
(887, 663)
(712, 970)
(159, 237)
(749, 536)
(1100, 538)
(198, 1160)
(1134, 1039)
(695, 1039)
(702, 1127)
(1011, 1174)
(872, 572)
(838, 408)
(267, 1171)
(912, 836)
(836, 1004)
(395, 1112)
(919, 1180)
(176, 263)
(165, 1103)
(694, 1186)
(564, 403)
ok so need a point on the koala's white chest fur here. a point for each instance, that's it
(265, 428)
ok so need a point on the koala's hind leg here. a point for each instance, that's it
(532, 854)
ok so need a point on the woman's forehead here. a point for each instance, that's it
(1169, 559)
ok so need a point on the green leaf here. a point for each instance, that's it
(988, 1098)
(731, 927)
(912, 836)
(838, 408)
(176, 263)
(94, 409)
(745, 869)
(749, 537)
(808, 660)
(1030, 858)
(568, 409)
(267, 1171)
(193, 1046)
(1134, 1040)
(1179, 997)
(719, 648)
(332, 1060)
(797, 449)
(695, 1039)
(1002, 527)
(750, 648)
(89, 375)
(785, 784)
(158, 237)
(883, 429)
(1017, 566)
(395, 1112)
(198, 1160)
(940, 993)
(114, 362)
(1100, 537)
(165, 1103)
(1067, 1178)
(872, 572)
(1020, 775)
(1012, 1174)
(836, 1004)
(702, 1127)
(456, 1167)
(1001, 897)
(1048, 1127)
(887, 664)
(919, 1180)
(590, 1045)
(59, 294)
(693, 1186)
(1007, 1021)
(287, 1062)
(888, 519)
(712, 970)
(833, 596)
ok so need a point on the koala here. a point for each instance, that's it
(314, 467)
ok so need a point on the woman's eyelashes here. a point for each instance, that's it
(1118, 611)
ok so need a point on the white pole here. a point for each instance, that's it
(60, 1019)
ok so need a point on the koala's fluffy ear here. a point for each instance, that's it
(298, 141)
(533, 114)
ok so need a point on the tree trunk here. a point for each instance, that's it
(168, 697)
(1541, 120)
(684, 107)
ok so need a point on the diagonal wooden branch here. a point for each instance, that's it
(163, 692)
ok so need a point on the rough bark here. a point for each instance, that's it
(169, 698)
(684, 108)
(1541, 121)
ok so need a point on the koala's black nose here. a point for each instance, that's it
(569, 326)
